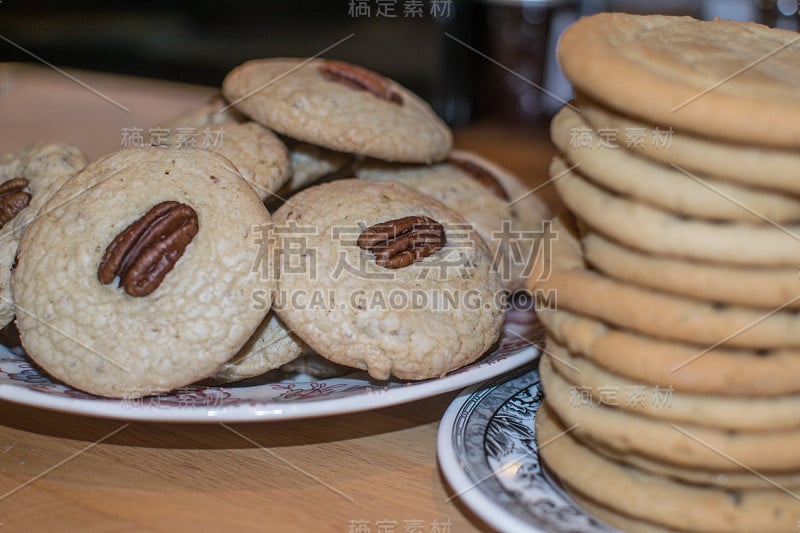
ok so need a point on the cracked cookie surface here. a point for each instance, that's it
(295, 98)
(421, 321)
(98, 338)
(46, 167)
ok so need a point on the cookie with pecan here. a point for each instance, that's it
(140, 274)
(380, 277)
(339, 106)
(28, 178)
(505, 213)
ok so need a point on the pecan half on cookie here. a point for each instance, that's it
(147, 250)
(13, 198)
(401, 242)
(360, 79)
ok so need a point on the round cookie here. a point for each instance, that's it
(655, 499)
(310, 163)
(215, 111)
(97, 337)
(511, 229)
(654, 401)
(624, 523)
(339, 106)
(46, 167)
(260, 156)
(757, 166)
(727, 80)
(767, 288)
(527, 208)
(684, 367)
(660, 314)
(694, 476)
(628, 174)
(438, 313)
(271, 346)
(654, 231)
(683, 445)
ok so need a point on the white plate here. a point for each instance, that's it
(297, 397)
(488, 454)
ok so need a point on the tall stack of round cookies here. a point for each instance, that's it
(155, 267)
(673, 349)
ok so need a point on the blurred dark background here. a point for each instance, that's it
(447, 51)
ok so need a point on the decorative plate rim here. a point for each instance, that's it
(469, 413)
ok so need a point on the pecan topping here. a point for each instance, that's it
(360, 79)
(13, 199)
(147, 250)
(399, 243)
(482, 176)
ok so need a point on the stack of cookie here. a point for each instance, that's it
(156, 267)
(673, 339)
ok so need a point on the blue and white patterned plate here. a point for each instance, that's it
(487, 451)
(270, 397)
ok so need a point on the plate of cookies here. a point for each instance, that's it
(306, 259)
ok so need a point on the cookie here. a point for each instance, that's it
(660, 314)
(673, 71)
(339, 106)
(315, 366)
(271, 346)
(683, 445)
(259, 154)
(310, 163)
(215, 111)
(107, 310)
(694, 476)
(654, 401)
(768, 288)
(624, 172)
(624, 523)
(28, 179)
(380, 277)
(756, 166)
(484, 194)
(689, 368)
(658, 232)
(657, 500)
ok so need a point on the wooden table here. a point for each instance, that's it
(374, 469)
